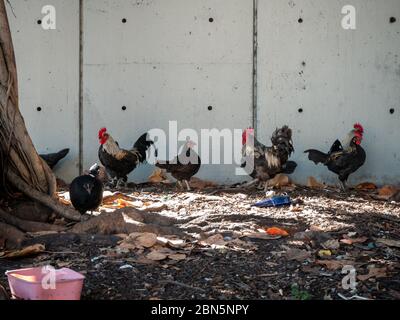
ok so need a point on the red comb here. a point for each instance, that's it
(246, 133)
(359, 127)
(101, 132)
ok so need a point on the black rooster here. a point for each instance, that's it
(343, 160)
(119, 162)
(86, 192)
(269, 161)
(184, 166)
(53, 159)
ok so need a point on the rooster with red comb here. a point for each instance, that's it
(343, 159)
(120, 162)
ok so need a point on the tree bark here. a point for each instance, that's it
(21, 165)
(18, 151)
(28, 226)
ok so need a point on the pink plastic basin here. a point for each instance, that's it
(41, 284)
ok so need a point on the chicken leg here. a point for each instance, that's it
(187, 185)
(343, 186)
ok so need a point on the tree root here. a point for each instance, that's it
(13, 236)
(43, 198)
(28, 226)
(126, 221)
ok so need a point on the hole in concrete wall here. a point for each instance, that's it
(211, 20)
(123, 108)
(39, 22)
(39, 109)
(124, 20)
(210, 108)
(391, 111)
(300, 110)
(300, 20)
(393, 19)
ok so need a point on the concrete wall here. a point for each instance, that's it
(169, 62)
(349, 76)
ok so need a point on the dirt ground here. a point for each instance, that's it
(327, 230)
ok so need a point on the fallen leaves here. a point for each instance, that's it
(351, 241)
(324, 253)
(387, 192)
(275, 231)
(297, 254)
(335, 264)
(331, 244)
(158, 176)
(367, 186)
(199, 184)
(389, 242)
(314, 184)
(279, 181)
(156, 256)
(374, 273)
(25, 252)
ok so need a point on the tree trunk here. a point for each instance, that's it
(17, 150)
(19, 162)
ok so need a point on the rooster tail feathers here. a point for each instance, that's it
(142, 145)
(163, 165)
(53, 158)
(143, 142)
(289, 167)
(317, 156)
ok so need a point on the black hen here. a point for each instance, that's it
(342, 160)
(120, 162)
(184, 166)
(269, 161)
(53, 159)
(86, 192)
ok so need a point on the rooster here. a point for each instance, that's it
(343, 159)
(53, 159)
(119, 162)
(269, 161)
(184, 166)
(86, 192)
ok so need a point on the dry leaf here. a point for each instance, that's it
(156, 256)
(331, 244)
(274, 231)
(261, 236)
(28, 251)
(367, 186)
(297, 254)
(335, 264)
(177, 256)
(159, 176)
(313, 183)
(350, 241)
(114, 197)
(387, 192)
(280, 180)
(389, 243)
(64, 201)
(216, 239)
(196, 183)
(324, 253)
(373, 273)
(146, 239)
